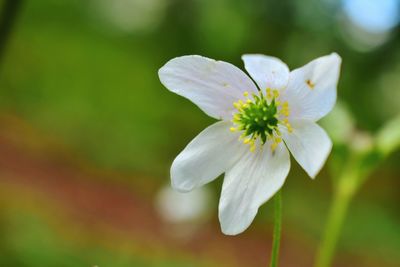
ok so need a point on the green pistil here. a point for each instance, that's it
(258, 118)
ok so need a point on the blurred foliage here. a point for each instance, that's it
(73, 72)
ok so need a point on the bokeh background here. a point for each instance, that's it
(87, 132)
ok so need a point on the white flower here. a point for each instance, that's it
(247, 144)
(180, 208)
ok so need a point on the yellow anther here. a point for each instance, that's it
(285, 109)
(285, 112)
(289, 127)
(246, 94)
(273, 146)
(276, 93)
(246, 141)
(252, 147)
(269, 93)
(238, 104)
(233, 129)
(249, 101)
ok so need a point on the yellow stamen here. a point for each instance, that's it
(285, 109)
(269, 93)
(289, 127)
(273, 146)
(252, 147)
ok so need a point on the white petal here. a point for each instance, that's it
(311, 91)
(268, 72)
(309, 145)
(250, 183)
(206, 157)
(212, 85)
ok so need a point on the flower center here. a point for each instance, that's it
(258, 117)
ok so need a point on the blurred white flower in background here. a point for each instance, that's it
(341, 127)
(339, 124)
(175, 207)
(367, 24)
(372, 15)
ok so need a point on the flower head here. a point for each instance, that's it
(258, 124)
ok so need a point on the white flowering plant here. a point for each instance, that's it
(260, 122)
(261, 117)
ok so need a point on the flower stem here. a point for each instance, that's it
(342, 197)
(277, 229)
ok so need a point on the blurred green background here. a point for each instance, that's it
(87, 132)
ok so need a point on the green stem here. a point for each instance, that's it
(347, 186)
(277, 229)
